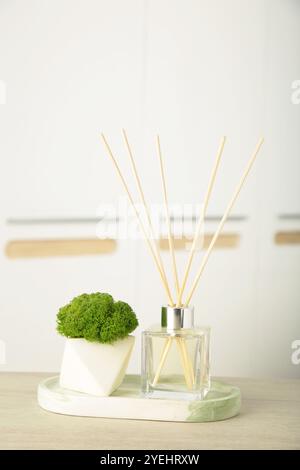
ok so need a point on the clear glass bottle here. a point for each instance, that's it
(175, 357)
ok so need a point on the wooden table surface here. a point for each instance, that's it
(269, 419)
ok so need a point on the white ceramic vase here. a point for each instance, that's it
(95, 368)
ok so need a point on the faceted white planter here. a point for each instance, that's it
(95, 368)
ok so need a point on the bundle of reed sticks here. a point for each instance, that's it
(151, 240)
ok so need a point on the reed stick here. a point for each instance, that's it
(170, 236)
(223, 220)
(181, 345)
(162, 361)
(201, 219)
(188, 362)
(186, 365)
(110, 153)
(146, 208)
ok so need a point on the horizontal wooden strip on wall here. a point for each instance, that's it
(287, 237)
(226, 240)
(59, 247)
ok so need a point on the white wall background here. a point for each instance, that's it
(193, 70)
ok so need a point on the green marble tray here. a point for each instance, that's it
(222, 402)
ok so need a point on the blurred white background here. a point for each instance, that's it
(192, 70)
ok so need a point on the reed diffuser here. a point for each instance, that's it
(175, 355)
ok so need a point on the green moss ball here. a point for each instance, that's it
(96, 317)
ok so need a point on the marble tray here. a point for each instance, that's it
(222, 402)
